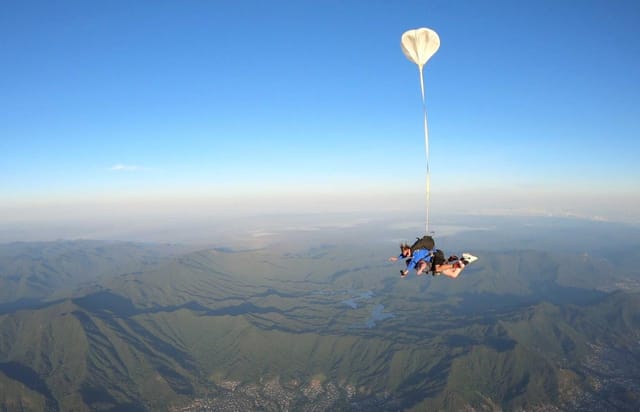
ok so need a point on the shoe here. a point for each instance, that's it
(468, 258)
(403, 275)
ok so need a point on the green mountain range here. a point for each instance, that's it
(144, 327)
(31, 272)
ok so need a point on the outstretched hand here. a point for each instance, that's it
(393, 258)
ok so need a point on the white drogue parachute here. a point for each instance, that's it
(419, 45)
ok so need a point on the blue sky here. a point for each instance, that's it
(529, 103)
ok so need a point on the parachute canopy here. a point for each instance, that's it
(419, 45)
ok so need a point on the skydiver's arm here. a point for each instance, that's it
(412, 263)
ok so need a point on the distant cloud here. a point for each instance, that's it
(126, 168)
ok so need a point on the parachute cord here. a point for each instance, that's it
(426, 151)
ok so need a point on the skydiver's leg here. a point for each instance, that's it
(455, 266)
(452, 272)
(446, 266)
(421, 267)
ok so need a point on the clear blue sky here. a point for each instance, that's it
(137, 98)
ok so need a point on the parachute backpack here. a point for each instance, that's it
(424, 242)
